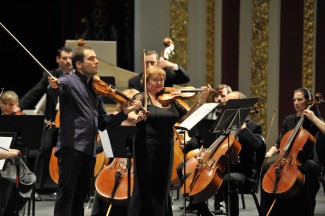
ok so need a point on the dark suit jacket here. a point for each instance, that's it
(179, 76)
(35, 94)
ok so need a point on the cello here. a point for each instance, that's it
(284, 179)
(207, 168)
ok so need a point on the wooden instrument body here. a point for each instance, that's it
(205, 173)
(105, 182)
(290, 178)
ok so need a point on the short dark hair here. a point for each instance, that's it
(79, 55)
(65, 49)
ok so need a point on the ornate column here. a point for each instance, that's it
(178, 30)
(307, 60)
(259, 59)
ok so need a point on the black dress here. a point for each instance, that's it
(153, 161)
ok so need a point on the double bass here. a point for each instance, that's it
(284, 179)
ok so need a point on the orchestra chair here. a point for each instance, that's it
(31, 203)
(320, 154)
(253, 188)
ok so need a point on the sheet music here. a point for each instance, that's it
(4, 143)
(199, 114)
(108, 152)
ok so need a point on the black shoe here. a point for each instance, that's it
(189, 208)
(219, 212)
(37, 197)
(203, 208)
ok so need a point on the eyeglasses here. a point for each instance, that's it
(156, 80)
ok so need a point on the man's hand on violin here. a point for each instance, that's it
(132, 106)
(142, 116)
(54, 82)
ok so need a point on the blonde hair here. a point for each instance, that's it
(10, 95)
(153, 70)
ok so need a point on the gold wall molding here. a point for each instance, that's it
(307, 64)
(210, 42)
(178, 30)
(259, 58)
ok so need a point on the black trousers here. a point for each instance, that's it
(76, 170)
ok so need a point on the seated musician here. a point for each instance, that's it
(242, 170)
(9, 103)
(174, 73)
(303, 201)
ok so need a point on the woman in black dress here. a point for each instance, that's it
(153, 149)
(304, 202)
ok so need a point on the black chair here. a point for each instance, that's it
(252, 188)
(31, 203)
(320, 154)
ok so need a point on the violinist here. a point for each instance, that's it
(174, 73)
(50, 132)
(82, 113)
(154, 148)
(304, 202)
(9, 102)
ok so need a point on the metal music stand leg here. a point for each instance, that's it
(184, 177)
(17, 163)
(129, 166)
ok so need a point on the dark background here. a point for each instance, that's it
(43, 26)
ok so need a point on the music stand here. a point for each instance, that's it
(121, 139)
(28, 128)
(231, 118)
(187, 125)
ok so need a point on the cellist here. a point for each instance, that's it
(303, 203)
(242, 171)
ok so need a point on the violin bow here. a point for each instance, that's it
(144, 79)
(2, 89)
(26, 50)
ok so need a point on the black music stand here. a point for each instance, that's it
(187, 125)
(231, 118)
(28, 128)
(121, 138)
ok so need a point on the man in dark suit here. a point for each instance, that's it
(50, 131)
(174, 73)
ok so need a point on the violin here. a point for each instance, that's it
(103, 89)
(169, 94)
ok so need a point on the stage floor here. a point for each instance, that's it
(46, 206)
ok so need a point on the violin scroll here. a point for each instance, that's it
(168, 51)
